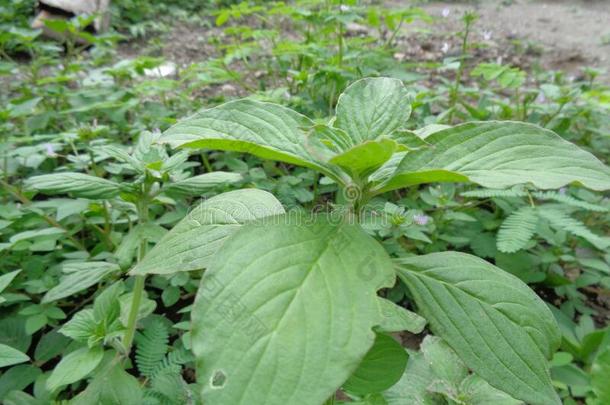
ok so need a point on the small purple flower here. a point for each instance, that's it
(445, 47)
(541, 98)
(562, 191)
(445, 13)
(487, 35)
(421, 219)
(50, 150)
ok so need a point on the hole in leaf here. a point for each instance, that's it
(218, 379)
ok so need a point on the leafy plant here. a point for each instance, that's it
(288, 304)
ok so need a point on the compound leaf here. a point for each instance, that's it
(517, 229)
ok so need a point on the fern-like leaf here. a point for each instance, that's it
(568, 200)
(173, 362)
(561, 221)
(517, 229)
(493, 193)
(151, 347)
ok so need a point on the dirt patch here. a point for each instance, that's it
(558, 35)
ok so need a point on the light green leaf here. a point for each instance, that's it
(79, 276)
(600, 376)
(7, 278)
(81, 327)
(285, 312)
(365, 157)
(561, 221)
(396, 318)
(443, 361)
(38, 234)
(75, 366)
(499, 155)
(492, 320)
(146, 307)
(517, 229)
(267, 130)
(10, 356)
(479, 392)
(75, 184)
(112, 386)
(381, 367)
(373, 107)
(412, 388)
(198, 185)
(191, 244)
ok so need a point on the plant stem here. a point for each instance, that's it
(453, 97)
(138, 286)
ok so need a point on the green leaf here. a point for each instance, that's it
(285, 312)
(492, 320)
(191, 244)
(412, 388)
(517, 229)
(600, 375)
(373, 107)
(396, 318)
(151, 347)
(443, 361)
(81, 327)
(75, 366)
(79, 277)
(17, 378)
(499, 155)
(7, 278)
(111, 386)
(75, 184)
(146, 307)
(561, 221)
(198, 185)
(267, 130)
(479, 392)
(10, 356)
(381, 367)
(365, 157)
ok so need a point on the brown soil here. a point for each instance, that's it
(558, 34)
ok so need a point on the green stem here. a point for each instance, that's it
(138, 286)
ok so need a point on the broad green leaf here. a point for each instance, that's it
(198, 185)
(396, 318)
(517, 229)
(127, 250)
(112, 385)
(17, 378)
(79, 276)
(75, 184)
(191, 244)
(75, 366)
(285, 312)
(7, 278)
(412, 388)
(365, 157)
(477, 391)
(600, 376)
(492, 320)
(381, 367)
(443, 361)
(81, 327)
(499, 155)
(10, 356)
(146, 307)
(373, 107)
(267, 130)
